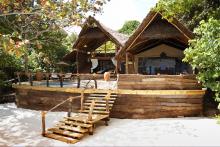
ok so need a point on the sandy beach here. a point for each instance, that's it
(22, 127)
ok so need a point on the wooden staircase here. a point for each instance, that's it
(101, 106)
(94, 108)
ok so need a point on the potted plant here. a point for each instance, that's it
(39, 75)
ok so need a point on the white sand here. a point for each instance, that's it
(21, 127)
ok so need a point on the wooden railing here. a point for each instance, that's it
(60, 76)
(70, 100)
(43, 113)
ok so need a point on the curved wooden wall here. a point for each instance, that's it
(165, 104)
(139, 96)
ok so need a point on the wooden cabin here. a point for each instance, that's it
(156, 47)
(86, 50)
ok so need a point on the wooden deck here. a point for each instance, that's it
(159, 96)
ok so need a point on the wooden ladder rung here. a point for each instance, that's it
(102, 95)
(99, 98)
(96, 108)
(83, 119)
(97, 104)
(96, 112)
(71, 128)
(66, 133)
(74, 123)
(61, 138)
(99, 101)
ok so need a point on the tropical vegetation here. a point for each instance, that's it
(203, 18)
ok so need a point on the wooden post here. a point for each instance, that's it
(91, 129)
(31, 79)
(43, 114)
(118, 60)
(107, 106)
(47, 78)
(82, 100)
(107, 101)
(78, 81)
(116, 67)
(61, 80)
(126, 63)
(70, 107)
(91, 110)
(94, 78)
(77, 61)
(134, 69)
(29, 75)
(105, 49)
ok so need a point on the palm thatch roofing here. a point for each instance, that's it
(155, 30)
(93, 35)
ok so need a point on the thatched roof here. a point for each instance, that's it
(181, 33)
(93, 24)
(93, 35)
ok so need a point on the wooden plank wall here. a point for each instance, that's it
(158, 82)
(150, 102)
(157, 106)
(44, 100)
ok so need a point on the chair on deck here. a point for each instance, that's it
(54, 76)
(67, 76)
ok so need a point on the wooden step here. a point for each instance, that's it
(61, 138)
(97, 104)
(103, 95)
(99, 101)
(96, 112)
(82, 119)
(66, 133)
(99, 98)
(74, 123)
(71, 128)
(113, 94)
(96, 108)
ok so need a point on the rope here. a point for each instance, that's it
(62, 103)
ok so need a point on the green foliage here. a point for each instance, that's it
(129, 27)
(202, 16)
(204, 53)
(9, 61)
(52, 50)
(34, 28)
(217, 117)
(109, 47)
(3, 84)
(190, 12)
(69, 41)
(3, 77)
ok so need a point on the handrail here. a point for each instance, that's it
(107, 100)
(91, 110)
(93, 78)
(70, 98)
(82, 99)
(60, 76)
(43, 113)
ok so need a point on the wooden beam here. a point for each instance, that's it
(77, 62)
(43, 113)
(118, 91)
(126, 63)
(102, 58)
(141, 32)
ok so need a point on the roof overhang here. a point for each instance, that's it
(185, 33)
